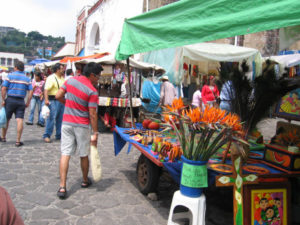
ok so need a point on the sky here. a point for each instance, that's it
(48, 17)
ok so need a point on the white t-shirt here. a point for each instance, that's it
(197, 98)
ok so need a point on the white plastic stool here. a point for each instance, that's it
(197, 207)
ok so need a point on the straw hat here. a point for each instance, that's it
(165, 77)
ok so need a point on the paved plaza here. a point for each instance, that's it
(31, 177)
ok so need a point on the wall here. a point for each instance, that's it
(109, 17)
(153, 4)
(7, 59)
(80, 29)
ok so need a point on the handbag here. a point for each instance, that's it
(95, 164)
(3, 119)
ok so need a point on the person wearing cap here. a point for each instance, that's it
(210, 92)
(167, 92)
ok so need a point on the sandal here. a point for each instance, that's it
(86, 184)
(2, 139)
(62, 192)
(19, 144)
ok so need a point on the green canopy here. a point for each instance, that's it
(193, 21)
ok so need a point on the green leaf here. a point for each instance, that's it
(213, 145)
(199, 149)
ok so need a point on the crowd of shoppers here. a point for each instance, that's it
(72, 102)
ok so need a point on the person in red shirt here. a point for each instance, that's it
(80, 98)
(210, 92)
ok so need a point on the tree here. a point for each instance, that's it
(34, 35)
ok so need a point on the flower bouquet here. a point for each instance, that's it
(202, 133)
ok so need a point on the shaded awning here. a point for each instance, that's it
(78, 58)
(193, 21)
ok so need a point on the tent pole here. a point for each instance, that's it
(130, 97)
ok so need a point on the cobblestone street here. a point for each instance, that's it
(30, 175)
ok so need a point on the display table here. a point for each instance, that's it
(272, 182)
(119, 102)
(174, 168)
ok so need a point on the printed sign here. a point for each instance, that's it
(194, 176)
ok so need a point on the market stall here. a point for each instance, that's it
(264, 169)
(115, 96)
(288, 106)
(187, 22)
(190, 66)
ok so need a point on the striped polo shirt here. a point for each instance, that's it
(81, 95)
(17, 84)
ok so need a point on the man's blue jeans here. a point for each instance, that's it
(55, 118)
(36, 101)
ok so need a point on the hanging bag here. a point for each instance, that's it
(95, 163)
(45, 112)
(3, 119)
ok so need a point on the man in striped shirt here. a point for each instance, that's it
(13, 92)
(80, 116)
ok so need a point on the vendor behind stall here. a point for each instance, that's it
(124, 89)
(167, 92)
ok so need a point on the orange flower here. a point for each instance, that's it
(176, 105)
(193, 114)
(232, 121)
(168, 118)
(212, 115)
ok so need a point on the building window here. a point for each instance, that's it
(9, 61)
(3, 61)
(97, 37)
(15, 61)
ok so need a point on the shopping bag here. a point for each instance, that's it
(3, 119)
(95, 163)
(45, 111)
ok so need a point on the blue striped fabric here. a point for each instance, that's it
(17, 84)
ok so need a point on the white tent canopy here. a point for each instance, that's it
(219, 52)
(206, 55)
(286, 60)
(43, 65)
(110, 59)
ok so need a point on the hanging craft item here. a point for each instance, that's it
(185, 66)
(186, 80)
(195, 71)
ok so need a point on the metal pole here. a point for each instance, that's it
(130, 97)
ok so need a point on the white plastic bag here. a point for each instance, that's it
(95, 163)
(3, 119)
(45, 111)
